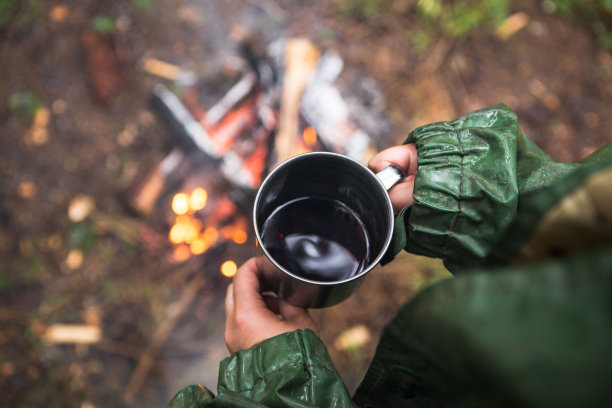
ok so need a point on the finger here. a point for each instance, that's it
(229, 316)
(404, 156)
(401, 194)
(229, 301)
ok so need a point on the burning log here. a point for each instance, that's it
(301, 57)
(285, 102)
(205, 216)
(146, 195)
(233, 97)
(168, 71)
(189, 133)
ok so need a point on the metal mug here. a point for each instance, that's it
(331, 176)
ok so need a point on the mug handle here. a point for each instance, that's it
(390, 176)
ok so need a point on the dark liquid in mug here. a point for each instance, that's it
(317, 238)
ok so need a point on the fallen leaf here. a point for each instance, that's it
(26, 189)
(355, 337)
(74, 259)
(80, 207)
(59, 13)
(511, 26)
(38, 133)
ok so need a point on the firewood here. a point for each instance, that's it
(301, 57)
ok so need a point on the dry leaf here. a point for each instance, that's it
(38, 133)
(59, 13)
(74, 259)
(80, 207)
(355, 337)
(26, 189)
(512, 25)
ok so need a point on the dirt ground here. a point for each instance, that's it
(159, 322)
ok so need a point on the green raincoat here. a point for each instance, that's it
(527, 320)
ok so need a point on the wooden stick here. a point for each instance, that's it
(301, 58)
(174, 313)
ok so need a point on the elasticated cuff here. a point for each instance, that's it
(293, 368)
(465, 189)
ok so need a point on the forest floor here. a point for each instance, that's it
(78, 132)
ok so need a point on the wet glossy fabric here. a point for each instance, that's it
(466, 190)
(290, 370)
(475, 175)
(535, 335)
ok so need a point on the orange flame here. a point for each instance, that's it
(235, 233)
(191, 233)
(197, 199)
(302, 149)
(229, 268)
(181, 253)
(240, 237)
(256, 164)
(177, 233)
(310, 137)
(210, 235)
(187, 232)
(225, 208)
(180, 203)
(198, 246)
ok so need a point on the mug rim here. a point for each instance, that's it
(390, 218)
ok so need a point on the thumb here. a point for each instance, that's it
(403, 156)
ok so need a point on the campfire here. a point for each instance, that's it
(286, 100)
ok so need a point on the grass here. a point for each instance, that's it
(25, 103)
(595, 13)
(459, 19)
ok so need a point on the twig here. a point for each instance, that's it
(174, 313)
(436, 57)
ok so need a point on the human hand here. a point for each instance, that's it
(248, 319)
(404, 157)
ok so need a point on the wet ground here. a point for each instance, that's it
(78, 133)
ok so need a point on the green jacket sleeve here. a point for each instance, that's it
(480, 188)
(289, 370)
(515, 336)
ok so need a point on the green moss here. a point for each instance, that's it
(103, 25)
(81, 236)
(25, 103)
